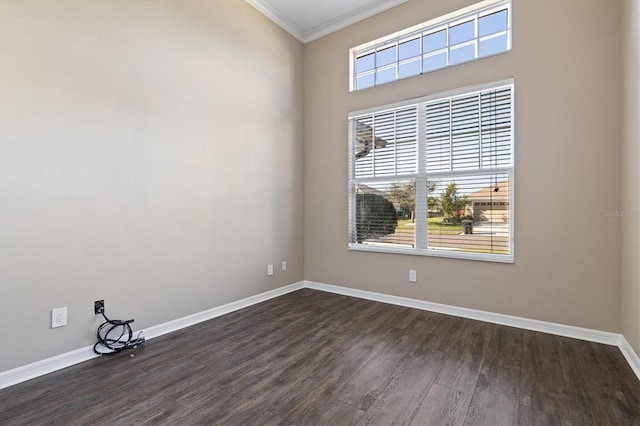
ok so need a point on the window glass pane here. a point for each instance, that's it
(461, 33)
(386, 56)
(365, 63)
(462, 54)
(493, 23)
(434, 62)
(384, 213)
(486, 27)
(469, 214)
(364, 81)
(434, 41)
(409, 49)
(386, 75)
(493, 45)
(410, 68)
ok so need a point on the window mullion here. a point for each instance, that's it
(476, 34)
(421, 52)
(397, 59)
(448, 43)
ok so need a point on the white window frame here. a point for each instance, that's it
(444, 22)
(421, 178)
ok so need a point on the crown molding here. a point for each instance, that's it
(325, 29)
(275, 16)
(350, 19)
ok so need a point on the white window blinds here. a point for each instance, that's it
(470, 132)
(385, 143)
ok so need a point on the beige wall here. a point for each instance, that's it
(565, 62)
(630, 176)
(151, 156)
(134, 168)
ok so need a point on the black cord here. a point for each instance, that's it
(124, 340)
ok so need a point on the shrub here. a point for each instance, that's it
(375, 217)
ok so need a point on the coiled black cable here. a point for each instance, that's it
(115, 336)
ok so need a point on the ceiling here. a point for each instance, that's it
(308, 20)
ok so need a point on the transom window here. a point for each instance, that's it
(481, 30)
(434, 176)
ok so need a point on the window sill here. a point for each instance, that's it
(499, 258)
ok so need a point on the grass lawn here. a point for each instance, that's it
(490, 251)
(434, 226)
(406, 229)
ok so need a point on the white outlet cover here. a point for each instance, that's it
(284, 265)
(413, 276)
(269, 270)
(58, 317)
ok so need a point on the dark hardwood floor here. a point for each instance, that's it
(311, 357)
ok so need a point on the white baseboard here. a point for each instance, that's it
(587, 334)
(519, 322)
(168, 327)
(45, 366)
(631, 356)
(58, 362)
(39, 368)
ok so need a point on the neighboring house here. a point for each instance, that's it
(366, 189)
(490, 204)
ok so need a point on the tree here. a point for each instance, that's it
(453, 204)
(432, 202)
(404, 196)
(375, 217)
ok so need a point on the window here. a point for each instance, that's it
(434, 176)
(483, 29)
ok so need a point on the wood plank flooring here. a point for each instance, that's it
(311, 357)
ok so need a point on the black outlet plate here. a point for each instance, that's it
(98, 306)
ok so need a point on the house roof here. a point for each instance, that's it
(366, 189)
(497, 192)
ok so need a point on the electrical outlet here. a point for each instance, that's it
(413, 276)
(269, 270)
(284, 265)
(98, 306)
(59, 317)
